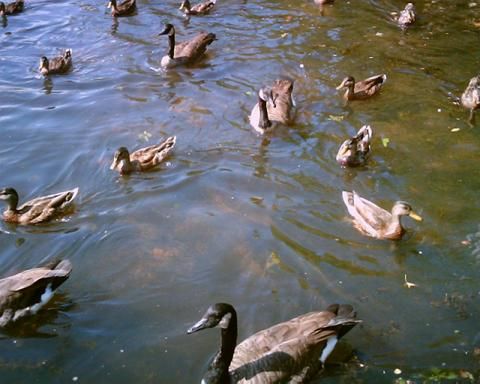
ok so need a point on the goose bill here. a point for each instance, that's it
(202, 324)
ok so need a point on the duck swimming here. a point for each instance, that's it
(57, 65)
(407, 16)
(11, 8)
(355, 151)
(126, 8)
(199, 9)
(471, 97)
(362, 89)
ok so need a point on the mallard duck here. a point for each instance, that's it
(59, 64)
(374, 221)
(11, 8)
(471, 97)
(354, 152)
(292, 351)
(275, 105)
(407, 16)
(142, 159)
(323, 2)
(123, 9)
(187, 51)
(198, 9)
(28, 291)
(37, 210)
(362, 89)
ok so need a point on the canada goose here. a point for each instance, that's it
(198, 9)
(275, 105)
(11, 8)
(59, 64)
(124, 9)
(371, 220)
(354, 152)
(471, 97)
(292, 351)
(142, 159)
(37, 210)
(362, 89)
(187, 51)
(28, 291)
(407, 16)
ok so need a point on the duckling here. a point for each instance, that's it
(59, 64)
(38, 210)
(371, 220)
(407, 16)
(142, 159)
(28, 291)
(292, 351)
(199, 9)
(279, 109)
(362, 89)
(354, 152)
(187, 51)
(126, 8)
(471, 97)
(11, 8)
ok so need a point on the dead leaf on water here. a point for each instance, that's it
(335, 118)
(385, 141)
(408, 284)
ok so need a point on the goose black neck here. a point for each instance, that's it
(264, 121)
(171, 45)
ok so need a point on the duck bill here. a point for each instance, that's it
(114, 164)
(202, 324)
(414, 216)
(342, 85)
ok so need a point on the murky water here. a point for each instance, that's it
(232, 217)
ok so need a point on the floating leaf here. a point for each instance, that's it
(455, 130)
(283, 35)
(385, 141)
(335, 118)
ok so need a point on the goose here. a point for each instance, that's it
(38, 210)
(407, 16)
(471, 97)
(11, 8)
(27, 292)
(199, 9)
(187, 51)
(126, 8)
(355, 151)
(142, 159)
(362, 89)
(292, 351)
(371, 220)
(59, 64)
(275, 105)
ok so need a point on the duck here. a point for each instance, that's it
(292, 351)
(362, 89)
(199, 9)
(407, 16)
(57, 65)
(275, 105)
(126, 8)
(142, 159)
(11, 8)
(355, 151)
(371, 220)
(38, 210)
(186, 51)
(323, 2)
(28, 291)
(471, 97)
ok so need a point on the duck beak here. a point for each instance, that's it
(202, 324)
(114, 164)
(342, 85)
(414, 216)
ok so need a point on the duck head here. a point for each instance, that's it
(2, 8)
(43, 67)
(10, 195)
(112, 4)
(402, 208)
(121, 156)
(347, 82)
(185, 6)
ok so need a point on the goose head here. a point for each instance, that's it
(217, 315)
(168, 30)
(10, 195)
(347, 82)
(121, 157)
(402, 208)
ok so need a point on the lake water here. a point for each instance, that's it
(258, 222)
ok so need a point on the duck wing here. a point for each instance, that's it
(14, 8)
(195, 46)
(154, 154)
(283, 109)
(370, 86)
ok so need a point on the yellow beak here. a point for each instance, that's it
(414, 216)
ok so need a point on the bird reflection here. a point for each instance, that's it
(47, 85)
(114, 27)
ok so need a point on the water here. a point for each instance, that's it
(232, 217)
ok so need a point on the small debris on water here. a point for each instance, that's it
(455, 130)
(397, 371)
(409, 284)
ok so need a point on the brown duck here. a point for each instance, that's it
(57, 65)
(407, 16)
(362, 89)
(292, 351)
(198, 9)
(126, 8)
(471, 97)
(11, 8)
(142, 159)
(371, 220)
(186, 51)
(355, 151)
(28, 291)
(38, 210)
